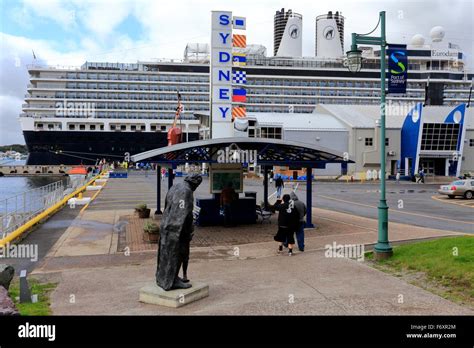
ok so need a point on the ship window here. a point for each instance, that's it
(369, 141)
(39, 125)
(153, 128)
(387, 142)
(163, 128)
(133, 127)
(142, 127)
(82, 126)
(471, 142)
(123, 127)
(50, 126)
(72, 127)
(112, 127)
(101, 127)
(92, 127)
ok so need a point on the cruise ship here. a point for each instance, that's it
(106, 110)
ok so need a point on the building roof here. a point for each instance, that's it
(364, 116)
(301, 122)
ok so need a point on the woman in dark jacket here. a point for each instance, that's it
(288, 219)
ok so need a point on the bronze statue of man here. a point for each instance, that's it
(176, 230)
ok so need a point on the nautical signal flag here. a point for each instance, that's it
(238, 111)
(239, 77)
(239, 22)
(239, 95)
(239, 41)
(239, 59)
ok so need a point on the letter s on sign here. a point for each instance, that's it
(224, 19)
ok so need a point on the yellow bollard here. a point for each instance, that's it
(79, 195)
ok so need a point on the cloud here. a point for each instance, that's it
(16, 56)
(61, 12)
(102, 17)
(10, 130)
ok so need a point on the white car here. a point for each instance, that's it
(464, 188)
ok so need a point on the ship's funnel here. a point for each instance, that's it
(287, 36)
(330, 35)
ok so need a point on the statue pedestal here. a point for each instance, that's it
(153, 294)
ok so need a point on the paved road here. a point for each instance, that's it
(409, 203)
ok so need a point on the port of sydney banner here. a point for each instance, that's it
(397, 69)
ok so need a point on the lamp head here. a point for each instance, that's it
(354, 60)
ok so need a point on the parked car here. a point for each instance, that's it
(464, 188)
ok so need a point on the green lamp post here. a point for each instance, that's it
(382, 249)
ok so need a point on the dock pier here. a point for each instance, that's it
(34, 170)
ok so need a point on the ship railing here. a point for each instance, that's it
(17, 210)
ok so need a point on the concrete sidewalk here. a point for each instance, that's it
(305, 284)
(248, 278)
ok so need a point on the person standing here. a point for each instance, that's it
(163, 174)
(421, 175)
(279, 184)
(227, 197)
(398, 177)
(288, 219)
(301, 209)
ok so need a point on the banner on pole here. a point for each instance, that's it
(397, 69)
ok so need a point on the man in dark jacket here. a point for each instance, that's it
(288, 219)
(301, 208)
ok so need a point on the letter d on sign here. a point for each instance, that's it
(224, 57)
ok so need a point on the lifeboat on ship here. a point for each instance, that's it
(77, 170)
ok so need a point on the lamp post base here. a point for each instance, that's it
(382, 255)
(383, 249)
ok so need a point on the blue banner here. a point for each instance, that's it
(397, 69)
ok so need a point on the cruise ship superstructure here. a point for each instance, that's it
(105, 110)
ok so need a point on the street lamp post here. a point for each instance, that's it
(382, 249)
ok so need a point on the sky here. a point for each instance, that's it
(71, 32)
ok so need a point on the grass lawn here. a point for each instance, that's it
(444, 266)
(42, 290)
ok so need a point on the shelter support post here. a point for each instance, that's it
(158, 190)
(309, 198)
(170, 177)
(265, 187)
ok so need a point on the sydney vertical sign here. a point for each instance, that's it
(221, 75)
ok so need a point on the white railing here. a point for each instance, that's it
(15, 211)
